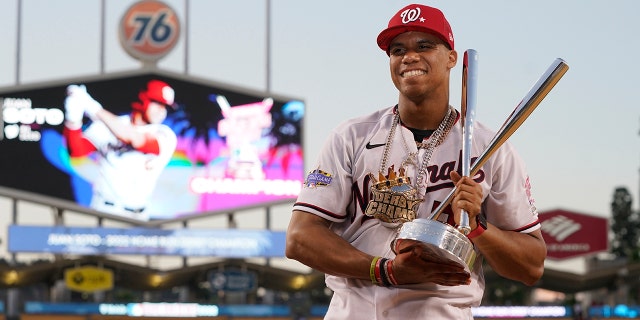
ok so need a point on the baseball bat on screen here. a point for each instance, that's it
(468, 110)
(522, 111)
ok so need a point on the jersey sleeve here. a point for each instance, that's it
(160, 141)
(326, 185)
(77, 144)
(167, 142)
(150, 145)
(510, 204)
(99, 135)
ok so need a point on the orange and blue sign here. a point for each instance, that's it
(149, 30)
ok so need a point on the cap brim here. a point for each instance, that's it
(386, 36)
(172, 106)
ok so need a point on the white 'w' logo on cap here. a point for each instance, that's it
(560, 227)
(410, 15)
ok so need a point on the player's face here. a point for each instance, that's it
(420, 64)
(156, 112)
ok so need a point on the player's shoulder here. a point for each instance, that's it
(484, 132)
(484, 135)
(163, 130)
(367, 121)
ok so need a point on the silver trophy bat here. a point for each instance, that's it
(441, 239)
(468, 109)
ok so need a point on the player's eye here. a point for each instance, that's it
(426, 45)
(397, 51)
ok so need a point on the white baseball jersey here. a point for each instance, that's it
(127, 177)
(338, 189)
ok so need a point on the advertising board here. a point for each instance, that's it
(571, 234)
(88, 279)
(227, 243)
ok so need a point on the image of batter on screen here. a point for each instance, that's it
(130, 150)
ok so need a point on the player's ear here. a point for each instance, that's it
(453, 58)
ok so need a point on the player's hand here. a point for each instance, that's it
(415, 263)
(92, 106)
(81, 99)
(468, 197)
(74, 106)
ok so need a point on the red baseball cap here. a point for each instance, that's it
(160, 92)
(416, 17)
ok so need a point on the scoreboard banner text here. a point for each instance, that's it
(229, 243)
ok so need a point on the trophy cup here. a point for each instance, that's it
(440, 240)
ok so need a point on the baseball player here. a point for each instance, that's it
(380, 170)
(133, 149)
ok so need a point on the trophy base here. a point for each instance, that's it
(441, 241)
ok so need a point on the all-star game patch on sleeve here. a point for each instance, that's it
(325, 186)
(317, 178)
(344, 163)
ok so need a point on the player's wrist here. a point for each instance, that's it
(381, 272)
(73, 125)
(372, 270)
(390, 274)
(92, 108)
(480, 227)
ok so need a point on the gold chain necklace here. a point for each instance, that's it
(394, 199)
(435, 140)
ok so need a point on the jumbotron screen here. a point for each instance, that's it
(151, 146)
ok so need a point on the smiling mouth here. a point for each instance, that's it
(413, 73)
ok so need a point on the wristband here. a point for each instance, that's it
(372, 270)
(475, 233)
(480, 228)
(381, 271)
(391, 278)
(377, 272)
